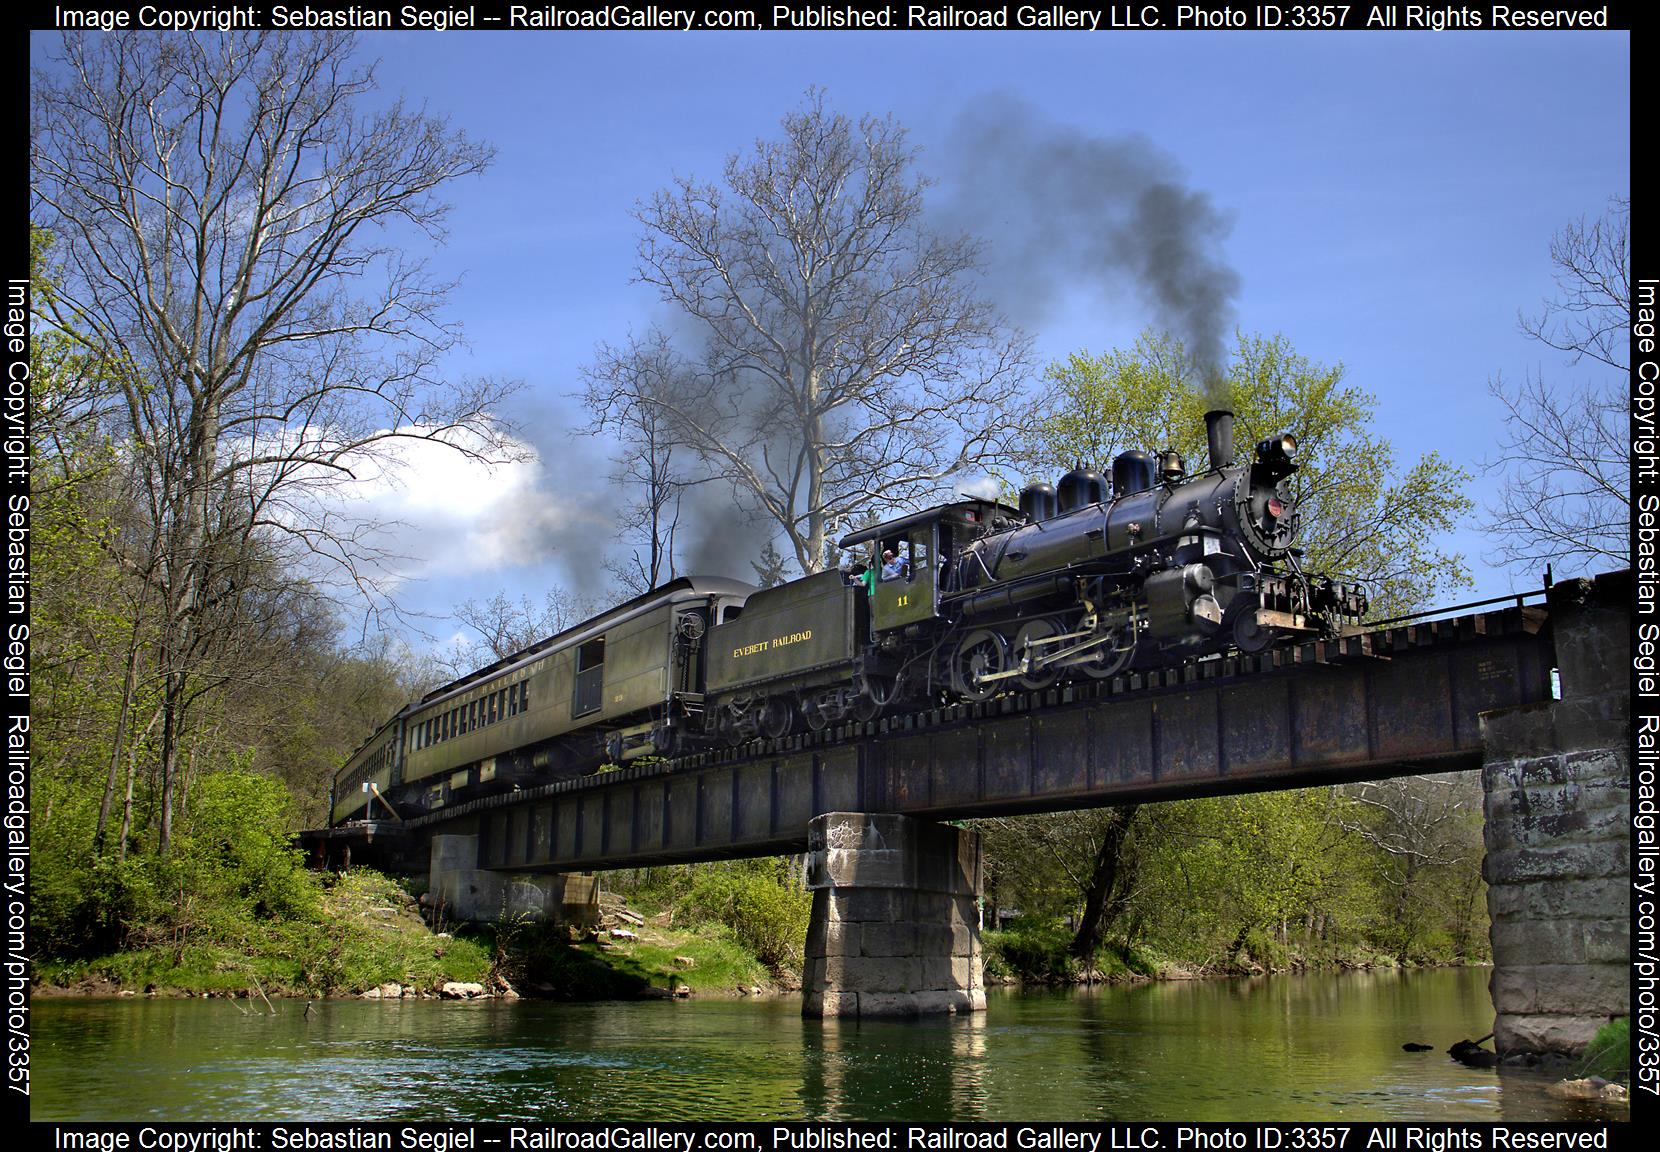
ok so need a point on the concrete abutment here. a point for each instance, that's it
(466, 892)
(895, 927)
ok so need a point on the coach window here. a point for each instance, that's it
(590, 671)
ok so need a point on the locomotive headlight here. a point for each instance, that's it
(1274, 456)
(1277, 448)
(1276, 508)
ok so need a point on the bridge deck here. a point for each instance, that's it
(1395, 702)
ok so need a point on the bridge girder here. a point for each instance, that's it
(1365, 707)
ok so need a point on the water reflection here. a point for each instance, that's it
(1300, 1048)
(919, 1070)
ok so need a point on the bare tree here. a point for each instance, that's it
(1592, 313)
(845, 363)
(503, 627)
(646, 464)
(1566, 496)
(234, 234)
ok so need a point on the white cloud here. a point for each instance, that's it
(448, 513)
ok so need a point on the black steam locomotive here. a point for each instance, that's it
(961, 601)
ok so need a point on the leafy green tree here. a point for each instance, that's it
(1361, 514)
(771, 569)
(1227, 878)
(235, 854)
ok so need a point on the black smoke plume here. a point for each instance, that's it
(1057, 207)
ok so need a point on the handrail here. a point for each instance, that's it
(1516, 597)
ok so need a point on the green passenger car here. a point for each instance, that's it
(623, 684)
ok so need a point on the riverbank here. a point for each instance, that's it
(1039, 953)
(367, 937)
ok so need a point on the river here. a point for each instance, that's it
(1309, 1047)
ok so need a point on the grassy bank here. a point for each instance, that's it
(362, 930)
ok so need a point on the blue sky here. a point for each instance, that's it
(1392, 197)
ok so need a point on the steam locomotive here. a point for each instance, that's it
(960, 602)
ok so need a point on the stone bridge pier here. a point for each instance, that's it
(1557, 784)
(895, 929)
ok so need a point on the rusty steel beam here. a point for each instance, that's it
(1365, 707)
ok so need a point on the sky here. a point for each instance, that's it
(1387, 200)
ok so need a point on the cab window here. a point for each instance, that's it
(893, 559)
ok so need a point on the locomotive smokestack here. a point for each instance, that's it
(1219, 435)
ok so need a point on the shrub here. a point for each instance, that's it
(1033, 950)
(766, 910)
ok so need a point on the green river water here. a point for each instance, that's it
(1314, 1047)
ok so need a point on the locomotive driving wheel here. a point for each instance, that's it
(1112, 656)
(1029, 649)
(979, 654)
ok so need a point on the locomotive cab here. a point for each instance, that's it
(906, 591)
